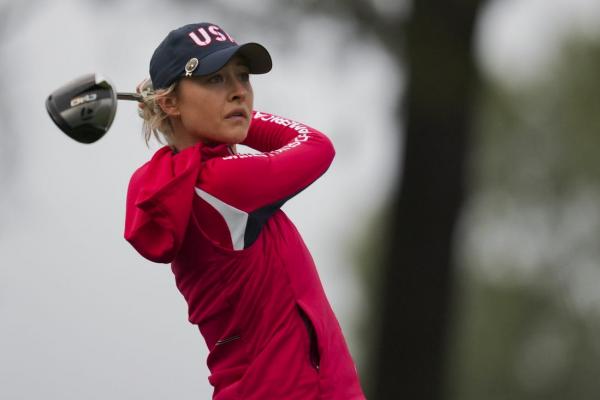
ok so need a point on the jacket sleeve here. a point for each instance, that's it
(159, 202)
(292, 156)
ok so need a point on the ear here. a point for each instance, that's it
(169, 105)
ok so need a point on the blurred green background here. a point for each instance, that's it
(527, 310)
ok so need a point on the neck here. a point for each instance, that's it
(180, 138)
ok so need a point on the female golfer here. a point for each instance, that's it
(249, 281)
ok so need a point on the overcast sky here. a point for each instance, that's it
(84, 316)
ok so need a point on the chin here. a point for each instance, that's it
(236, 137)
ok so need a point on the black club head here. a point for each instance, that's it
(84, 109)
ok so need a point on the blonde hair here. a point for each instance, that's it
(156, 121)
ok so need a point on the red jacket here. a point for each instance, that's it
(249, 280)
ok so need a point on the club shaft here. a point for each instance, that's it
(129, 96)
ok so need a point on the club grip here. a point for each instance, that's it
(129, 96)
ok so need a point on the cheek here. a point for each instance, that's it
(250, 98)
(195, 117)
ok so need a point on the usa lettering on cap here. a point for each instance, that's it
(214, 32)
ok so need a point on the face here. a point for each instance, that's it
(213, 109)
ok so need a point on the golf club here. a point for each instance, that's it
(84, 108)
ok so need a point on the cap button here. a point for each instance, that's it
(191, 66)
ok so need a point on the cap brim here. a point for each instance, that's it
(258, 58)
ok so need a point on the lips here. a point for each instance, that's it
(237, 113)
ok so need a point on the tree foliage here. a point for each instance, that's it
(529, 323)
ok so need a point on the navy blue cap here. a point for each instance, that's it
(201, 49)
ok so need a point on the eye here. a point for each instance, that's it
(245, 76)
(218, 78)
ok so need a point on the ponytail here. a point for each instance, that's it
(156, 121)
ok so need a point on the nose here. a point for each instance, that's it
(238, 89)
